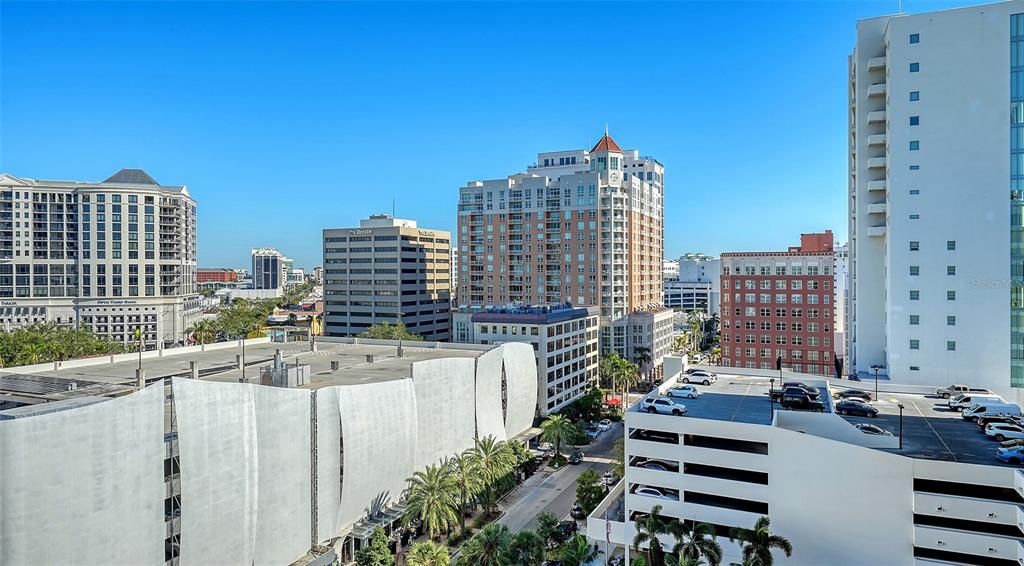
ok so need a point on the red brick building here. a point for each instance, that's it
(780, 305)
(216, 275)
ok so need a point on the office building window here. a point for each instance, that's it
(915, 270)
(915, 295)
(915, 120)
(950, 295)
(915, 192)
(915, 344)
(915, 145)
(915, 245)
(915, 96)
(915, 38)
(915, 368)
(915, 319)
(950, 270)
(915, 216)
(915, 67)
(951, 345)
(915, 167)
(950, 320)
(950, 245)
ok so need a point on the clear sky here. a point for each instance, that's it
(286, 118)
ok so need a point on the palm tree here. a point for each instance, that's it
(202, 331)
(697, 541)
(758, 543)
(467, 482)
(526, 548)
(641, 357)
(647, 530)
(492, 461)
(696, 321)
(557, 430)
(520, 455)
(716, 354)
(629, 376)
(577, 551)
(30, 354)
(487, 547)
(427, 554)
(433, 499)
(673, 560)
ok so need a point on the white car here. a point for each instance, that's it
(609, 479)
(700, 376)
(1002, 431)
(605, 425)
(652, 492)
(663, 405)
(545, 447)
(685, 391)
(872, 429)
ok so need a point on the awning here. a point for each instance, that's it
(614, 402)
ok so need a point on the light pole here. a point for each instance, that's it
(876, 368)
(771, 397)
(138, 336)
(901, 426)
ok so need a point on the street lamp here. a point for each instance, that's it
(901, 426)
(876, 368)
(138, 336)
(771, 397)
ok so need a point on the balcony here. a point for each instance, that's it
(876, 231)
(876, 63)
(876, 163)
(877, 208)
(876, 139)
(878, 185)
(877, 89)
(876, 116)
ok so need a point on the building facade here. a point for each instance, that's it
(111, 256)
(580, 227)
(841, 270)
(929, 127)
(216, 275)
(564, 339)
(692, 283)
(779, 305)
(387, 270)
(270, 268)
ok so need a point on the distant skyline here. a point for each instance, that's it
(287, 118)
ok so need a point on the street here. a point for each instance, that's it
(555, 491)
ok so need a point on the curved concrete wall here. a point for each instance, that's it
(328, 463)
(520, 386)
(489, 418)
(378, 426)
(85, 486)
(445, 415)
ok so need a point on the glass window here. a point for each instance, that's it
(915, 38)
(915, 344)
(950, 270)
(915, 294)
(915, 167)
(950, 295)
(915, 319)
(915, 67)
(950, 320)
(915, 145)
(915, 270)
(915, 120)
(915, 95)
(915, 245)
(914, 192)
(915, 216)
(950, 245)
(951, 345)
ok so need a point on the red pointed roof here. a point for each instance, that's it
(606, 144)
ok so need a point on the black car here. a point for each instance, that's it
(577, 512)
(995, 419)
(852, 394)
(576, 457)
(859, 408)
(796, 398)
(811, 392)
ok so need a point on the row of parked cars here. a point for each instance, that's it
(997, 418)
(667, 405)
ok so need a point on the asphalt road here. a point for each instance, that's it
(555, 491)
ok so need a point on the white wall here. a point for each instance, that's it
(445, 413)
(521, 387)
(489, 420)
(85, 486)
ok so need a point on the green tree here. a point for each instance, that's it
(385, 331)
(467, 482)
(520, 455)
(433, 500)
(647, 531)
(619, 460)
(427, 554)
(695, 541)
(589, 490)
(758, 543)
(695, 319)
(619, 373)
(376, 553)
(716, 355)
(641, 357)
(557, 430)
(548, 530)
(487, 547)
(203, 331)
(526, 548)
(577, 551)
(493, 461)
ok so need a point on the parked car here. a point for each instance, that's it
(546, 447)
(778, 392)
(796, 398)
(961, 402)
(576, 457)
(657, 436)
(1012, 443)
(577, 512)
(609, 479)
(663, 405)
(604, 425)
(655, 465)
(990, 409)
(1011, 419)
(700, 376)
(852, 394)
(856, 407)
(1002, 431)
(684, 391)
(959, 389)
(867, 428)
(653, 492)
(1010, 455)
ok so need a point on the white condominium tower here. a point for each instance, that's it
(936, 149)
(111, 256)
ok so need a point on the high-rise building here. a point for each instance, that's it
(778, 305)
(454, 269)
(111, 256)
(580, 227)
(387, 270)
(936, 185)
(841, 272)
(693, 283)
(270, 269)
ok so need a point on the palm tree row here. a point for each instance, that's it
(49, 342)
(495, 545)
(618, 372)
(695, 542)
(243, 317)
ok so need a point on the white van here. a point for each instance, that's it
(961, 402)
(988, 409)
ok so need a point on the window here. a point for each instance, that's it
(915, 96)
(950, 320)
(950, 345)
(950, 295)
(915, 270)
(915, 368)
(915, 216)
(915, 167)
(915, 67)
(950, 270)
(915, 38)
(915, 319)
(950, 245)
(914, 246)
(914, 192)
(915, 344)
(915, 295)
(915, 145)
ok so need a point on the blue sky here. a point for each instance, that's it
(286, 118)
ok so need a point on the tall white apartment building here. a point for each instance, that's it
(580, 227)
(111, 256)
(936, 150)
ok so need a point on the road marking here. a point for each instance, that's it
(920, 412)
